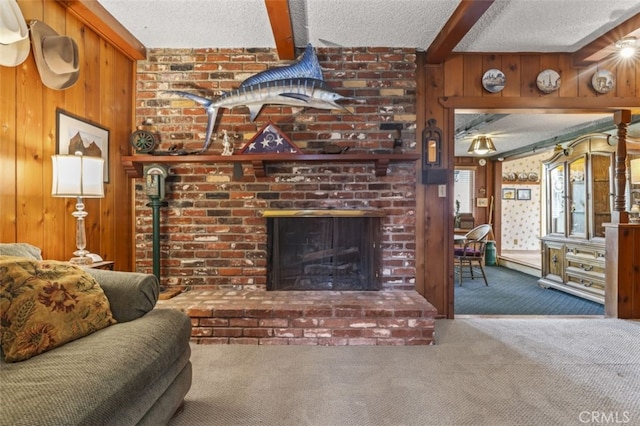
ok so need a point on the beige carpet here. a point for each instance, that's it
(482, 372)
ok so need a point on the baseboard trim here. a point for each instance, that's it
(520, 266)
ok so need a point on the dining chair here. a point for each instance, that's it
(471, 252)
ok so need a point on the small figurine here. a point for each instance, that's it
(226, 144)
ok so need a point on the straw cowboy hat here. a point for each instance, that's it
(14, 35)
(56, 56)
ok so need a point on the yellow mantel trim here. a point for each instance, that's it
(323, 213)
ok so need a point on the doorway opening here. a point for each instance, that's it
(516, 181)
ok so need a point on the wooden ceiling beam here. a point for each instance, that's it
(461, 21)
(93, 14)
(280, 19)
(551, 105)
(604, 45)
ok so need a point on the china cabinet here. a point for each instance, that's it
(579, 192)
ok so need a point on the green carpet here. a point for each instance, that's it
(515, 293)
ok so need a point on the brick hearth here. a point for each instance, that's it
(329, 318)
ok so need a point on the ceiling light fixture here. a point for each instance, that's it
(626, 46)
(482, 145)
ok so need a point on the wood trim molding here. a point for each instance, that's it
(461, 21)
(281, 27)
(548, 104)
(102, 22)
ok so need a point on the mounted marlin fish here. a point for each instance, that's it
(299, 85)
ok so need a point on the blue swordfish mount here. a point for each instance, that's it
(298, 85)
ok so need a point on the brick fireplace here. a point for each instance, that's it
(214, 237)
(213, 233)
(223, 258)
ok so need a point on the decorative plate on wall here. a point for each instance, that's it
(548, 81)
(603, 81)
(494, 80)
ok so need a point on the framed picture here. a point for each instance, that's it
(482, 202)
(523, 194)
(75, 134)
(508, 193)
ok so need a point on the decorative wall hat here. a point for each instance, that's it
(14, 35)
(56, 56)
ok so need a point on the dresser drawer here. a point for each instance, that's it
(592, 267)
(585, 281)
(585, 254)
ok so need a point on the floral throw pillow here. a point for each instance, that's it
(45, 304)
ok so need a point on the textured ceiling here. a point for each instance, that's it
(545, 25)
(507, 26)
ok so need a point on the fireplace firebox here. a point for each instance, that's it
(323, 249)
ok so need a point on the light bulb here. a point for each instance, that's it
(627, 46)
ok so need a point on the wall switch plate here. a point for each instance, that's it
(442, 191)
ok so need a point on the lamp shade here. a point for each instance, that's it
(635, 171)
(482, 145)
(77, 176)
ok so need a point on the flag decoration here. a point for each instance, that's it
(270, 140)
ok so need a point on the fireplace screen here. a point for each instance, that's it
(323, 253)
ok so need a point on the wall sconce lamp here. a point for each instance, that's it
(626, 46)
(78, 176)
(432, 170)
(482, 145)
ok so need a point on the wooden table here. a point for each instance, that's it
(105, 264)
(459, 239)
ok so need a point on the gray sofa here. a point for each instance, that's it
(135, 372)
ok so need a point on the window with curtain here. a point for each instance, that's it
(463, 190)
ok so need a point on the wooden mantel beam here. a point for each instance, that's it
(282, 28)
(461, 21)
(102, 22)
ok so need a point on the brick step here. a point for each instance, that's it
(330, 318)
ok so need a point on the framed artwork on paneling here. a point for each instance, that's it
(76, 134)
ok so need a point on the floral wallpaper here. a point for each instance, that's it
(521, 218)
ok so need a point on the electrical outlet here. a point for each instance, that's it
(515, 242)
(442, 191)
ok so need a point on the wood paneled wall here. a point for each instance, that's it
(103, 94)
(457, 85)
